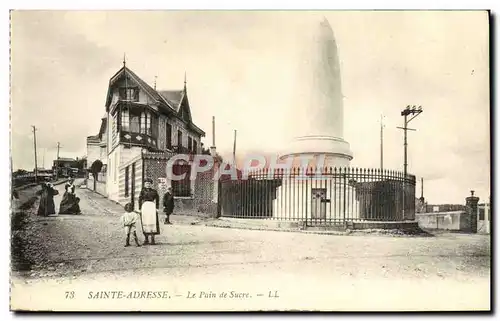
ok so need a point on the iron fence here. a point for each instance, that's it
(324, 196)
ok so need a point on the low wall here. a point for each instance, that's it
(192, 206)
(453, 221)
(100, 187)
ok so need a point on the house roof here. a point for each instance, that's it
(144, 85)
(173, 96)
(169, 100)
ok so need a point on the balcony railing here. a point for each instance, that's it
(179, 149)
(138, 139)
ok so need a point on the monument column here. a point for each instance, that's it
(318, 111)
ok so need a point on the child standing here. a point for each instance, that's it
(168, 204)
(129, 220)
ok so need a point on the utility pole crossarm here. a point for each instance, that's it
(407, 128)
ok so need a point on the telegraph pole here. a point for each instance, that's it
(409, 110)
(57, 160)
(234, 148)
(34, 145)
(381, 142)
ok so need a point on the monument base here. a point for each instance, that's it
(326, 151)
(317, 200)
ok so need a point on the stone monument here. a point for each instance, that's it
(318, 129)
(318, 113)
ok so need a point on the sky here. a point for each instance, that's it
(240, 69)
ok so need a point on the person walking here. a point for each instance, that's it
(168, 205)
(47, 206)
(149, 202)
(70, 202)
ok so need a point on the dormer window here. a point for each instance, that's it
(129, 93)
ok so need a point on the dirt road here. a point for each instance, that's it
(86, 253)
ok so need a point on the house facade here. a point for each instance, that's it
(96, 145)
(140, 119)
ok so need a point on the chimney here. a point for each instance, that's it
(213, 151)
(422, 188)
(213, 132)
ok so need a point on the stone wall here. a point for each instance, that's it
(204, 198)
(452, 221)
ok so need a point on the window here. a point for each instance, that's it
(131, 94)
(195, 146)
(125, 124)
(190, 144)
(126, 181)
(169, 136)
(179, 138)
(143, 123)
(145, 127)
(135, 123)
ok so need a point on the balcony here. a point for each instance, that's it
(179, 149)
(138, 139)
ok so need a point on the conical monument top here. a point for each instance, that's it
(318, 100)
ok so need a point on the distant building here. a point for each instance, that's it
(96, 145)
(430, 208)
(62, 166)
(141, 119)
(65, 167)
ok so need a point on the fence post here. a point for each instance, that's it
(487, 217)
(344, 198)
(472, 211)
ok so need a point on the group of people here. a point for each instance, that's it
(69, 203)
(149, 201)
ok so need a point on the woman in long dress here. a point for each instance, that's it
(47, 206)
(149, 202)
(70, 202)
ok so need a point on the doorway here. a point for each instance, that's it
(318, 203)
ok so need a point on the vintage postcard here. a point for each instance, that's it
(250, 161)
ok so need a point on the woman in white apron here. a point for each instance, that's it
(149, 201)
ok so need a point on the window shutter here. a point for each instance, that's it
(136, 94)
